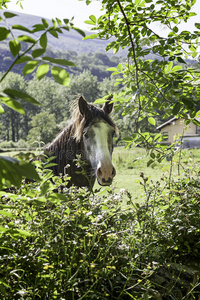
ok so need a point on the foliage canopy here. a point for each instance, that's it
(166, 84)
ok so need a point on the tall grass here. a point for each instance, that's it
(82, 245)
(130, 163)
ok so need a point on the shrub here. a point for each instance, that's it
(10, 144)
(101, 245)
(7, 144)
(21, 144)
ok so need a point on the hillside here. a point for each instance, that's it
(69, 45)
(70, 40)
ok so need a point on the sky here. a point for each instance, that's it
(62, 9)
(80, 11)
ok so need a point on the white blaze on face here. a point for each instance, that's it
(98, 141)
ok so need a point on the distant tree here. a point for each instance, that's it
(85, 84)
(108, 86)
(43, 128)
(15, 125)
(52, 96)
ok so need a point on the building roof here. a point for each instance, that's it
(167, 123)
(172, 120)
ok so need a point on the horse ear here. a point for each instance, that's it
(107, 107)
(83, 106)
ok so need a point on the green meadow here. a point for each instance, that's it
(131, 163)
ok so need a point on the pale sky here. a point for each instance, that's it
(62, 9)
(80, 11)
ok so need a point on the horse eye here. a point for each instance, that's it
(86, 135)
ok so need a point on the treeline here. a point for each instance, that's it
(97, 63)
(89, 78)
(41, 123)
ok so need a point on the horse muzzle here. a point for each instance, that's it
(105, 175)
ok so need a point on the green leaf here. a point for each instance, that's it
(23, 59)
(19, 94)
(30, 67)
(4, 33)
(92, 20)
(176, 108)
(53, 32)
(27, 170)
(152, 121)
(38, 27)
(79, 31)
(38, 52)
(188, 103)
(45, 23)
(1, 110)
(15, 47)
(59, 61)
(90, 37)
(3, 229)
(43, 41)
(128, 139)
(21, 232)
(89, 22)
(181, 60)
(21, 28)
(60, 75)
(196, 122)
(9, 15)
(120, 67)
(7, 214)
(100, 101)
(14, 170)
(176, 68)
(197, 25)
(169, 66)
(26, 39)
(113, 69)
(150, 162)
(12, 104)
(59, 22)
(42, 70)
(66, 21)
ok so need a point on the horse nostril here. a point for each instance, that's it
(99, 172)
(113, 172)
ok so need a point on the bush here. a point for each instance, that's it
(82, 245)
(7, 144)
(22, 144)
(10, 144)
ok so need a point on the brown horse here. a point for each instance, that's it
(90, 134)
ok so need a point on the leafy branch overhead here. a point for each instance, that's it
(166, 84)
(33, 57)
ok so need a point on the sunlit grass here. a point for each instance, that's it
(130, 163)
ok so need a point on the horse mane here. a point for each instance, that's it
(68, 142)
(79, 121)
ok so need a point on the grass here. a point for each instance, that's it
(79, 245)
(130, 163)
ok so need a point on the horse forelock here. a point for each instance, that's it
(78, 122)
(94, 115)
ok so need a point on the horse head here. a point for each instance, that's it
(97, 136)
